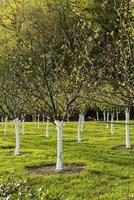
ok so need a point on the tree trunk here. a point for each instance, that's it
(17, 150)
(82, 122)
(107, 119)
(117, 116)
(38, 121)
(35, 119)
(2, 120)
(79, 129)
(104, 116)
(97, 116)
(112, 126)
(47, 128)
(59, 125)
(128, 146)
(43, 118)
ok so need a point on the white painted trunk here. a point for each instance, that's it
(5, 126)
(35, 119)
(68, 120)
(104, 116)
(47, 128)
(117, 116)
(107, 120)
(59, 145)
(79, 129)
(38, 121)
(82, 122)
(43, 118)
(97, 116)
(17, 150)
(112, 125)
(2, 120)
(128, 146)
(23, 126)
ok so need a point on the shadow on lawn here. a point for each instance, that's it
(7, 147)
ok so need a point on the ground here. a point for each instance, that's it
(108, 171)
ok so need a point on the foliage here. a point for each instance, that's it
(19, 189)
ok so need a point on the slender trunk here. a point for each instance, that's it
(107, 120)
(79, 129)
(38, 121)
(112, 126)
(117, 116)
(128, 146)
(17, 150)
(35, 120)
(97, 114)
(43, 118)
(5, 126)
(59, 125)
(2, 120)
(104, 116)
(23, 126)
(82, 122)
(47, 128)
(68, 120)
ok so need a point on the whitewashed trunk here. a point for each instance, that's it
(38, 121)
(47, 128)
(104, 116)
(97, 116)
(35, 119)
(43, 118)
(79, 129)
(17, 150)
(128, 146)
(82, 122)
(68, 120)
(5, 126)
(59, 125)
(107, 120)
(2, 121)
(112, 125)
(23, 126)
(117, 116)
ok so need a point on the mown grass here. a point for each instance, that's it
(109, 173)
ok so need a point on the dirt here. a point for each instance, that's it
(50, 169)
(122, 147)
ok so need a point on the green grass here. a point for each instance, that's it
(109, 173)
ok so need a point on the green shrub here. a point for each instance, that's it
(11, 189)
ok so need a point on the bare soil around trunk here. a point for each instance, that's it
(50, 169)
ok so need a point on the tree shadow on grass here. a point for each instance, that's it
(122, 147)
(7, 147)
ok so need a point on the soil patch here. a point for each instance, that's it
(122, 147)
(7, 147)
(49, 169)
(12, 153)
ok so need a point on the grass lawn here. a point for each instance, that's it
(109, 173)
